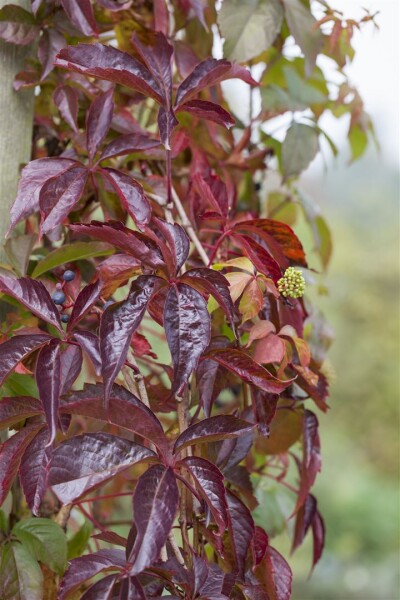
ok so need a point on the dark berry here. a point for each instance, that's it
(68, 275)
(65, 318)
(59, 297)
(108, 303)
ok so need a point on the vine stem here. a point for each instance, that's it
(63, 515)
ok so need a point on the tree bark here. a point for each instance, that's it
(16, 122)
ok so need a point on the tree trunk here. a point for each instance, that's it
(16, 121)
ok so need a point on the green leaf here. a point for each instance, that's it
(20, 575)
(319, 228)
(302, 27)
(18, 250)
(276, 100)
(45, 540)
(19, 385)
(77, 544)
(3, 522)
(71, 253)
(302, 92)
(298, 149)
(358, 140)
(249, 27)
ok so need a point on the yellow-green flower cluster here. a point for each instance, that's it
(292, 284)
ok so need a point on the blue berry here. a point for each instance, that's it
(58, 297)
(108, 303)
(65, 318)
(68, 275)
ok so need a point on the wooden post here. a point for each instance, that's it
(16, 122)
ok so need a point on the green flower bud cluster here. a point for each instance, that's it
(292, 284)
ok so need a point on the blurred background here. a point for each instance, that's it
(358, 489)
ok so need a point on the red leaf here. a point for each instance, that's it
(65, 98)
(318, 531)
(125, 410)
(187, 328)
(59, 195)
(261, 259)
(48, 379)
(213, 190)
(17, 26)
(212, 429)
(15, 409)
(33, 470)
(17, 348)
(210, 483)
(83, 462)
(118, 323)
(155, 503)
(166, 124)
(177, 240)
(269, 349)
(241, 526)
(32, 294)
(131, 194)
(49, 46)
(104, 588)
(210, 72)
(264, 406)
(275, 575)
(243, 365)
(132, 242)
(209, 111)
(127, 144)
(71, 364)
(80, 13)
(33, 177)
(314, 383)
(311, 463)
(98, 121)
(106, 62)
(11, 452)
(156, 53)
(304, 518)
(84, 302)
(280, 238)
(85, 567)
(89, 342)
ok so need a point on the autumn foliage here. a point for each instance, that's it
(158, 357)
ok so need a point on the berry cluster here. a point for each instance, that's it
(292, 284)
(59, 297)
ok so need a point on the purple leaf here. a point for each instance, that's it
(177, 240)
(166, 124)
(49, 46)
(17, 25)
(17, 348)
(34, 296)
(210, 483)
(207, 73)
(209, 385)
(59, 195)
(318, 531)
(124, 410)
(187, 328)
(131, 590)
(15, 409)
(264, 406)
(213, 190)
(11, 452)
(84, 302)
(131, 242)
(209, 111)
(65, 98)
(118, 323)
(311, 463)
(48, 379)
(85, 567)
(259, 256)
(304, 518)
(71, 364)
(33, 177)
(102, 589)
(213, 283)
(89, 342)
(80, 13)
(98, 121)
(131, 194)
(212, 429)
(241, 530)
(156, 53)
(248, 370)
(33, 470)
(275, 574)
(127, 144)
(155, 503)
(115, 5)
(86, 461)
(106, 62)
